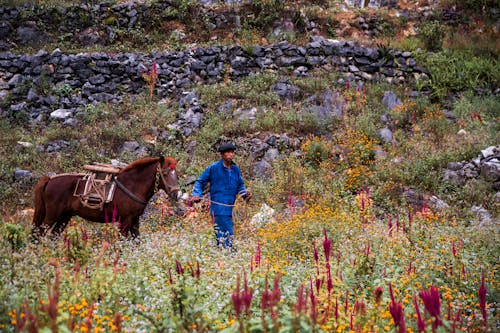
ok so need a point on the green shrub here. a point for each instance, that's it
(486, 105)
(316, 152)
(15, 236)
(266, 12)
(455, 72)
(76, 245)
(432, 34)
(185, 9)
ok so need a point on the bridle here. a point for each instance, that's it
(170, 189)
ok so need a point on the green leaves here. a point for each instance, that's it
(455, 72)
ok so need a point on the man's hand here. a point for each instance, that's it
(248, 195)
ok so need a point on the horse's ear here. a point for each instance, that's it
(162, 159)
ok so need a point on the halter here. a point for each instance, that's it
(169, 188)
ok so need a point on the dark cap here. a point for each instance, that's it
(226, 147)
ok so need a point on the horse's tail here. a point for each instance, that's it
(39, 214)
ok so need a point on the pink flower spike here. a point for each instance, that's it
(420, 320)
(396, 310)
(326, 246)
(236, 299)
(178, 267)
(266, 296)
(367, 250)
(247, 295)
(316, 256)
(276, 292)
(390, 226)
(301, 301)
(391, 293)
(314, 314)
(432, 304)
(318, 284)
(198, 271)
(329, 282)
(258, 255)
(482, 298)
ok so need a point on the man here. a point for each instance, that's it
(226, 183)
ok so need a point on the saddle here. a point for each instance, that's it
(96, 187)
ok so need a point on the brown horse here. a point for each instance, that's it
(55, 203)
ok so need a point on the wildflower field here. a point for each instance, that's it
(332, 265)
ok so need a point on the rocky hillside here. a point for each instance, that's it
(308, 79)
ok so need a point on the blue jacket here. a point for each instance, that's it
(225, 184)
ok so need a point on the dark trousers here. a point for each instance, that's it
(223, 227)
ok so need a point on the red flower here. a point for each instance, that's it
(236, 299)
(178, 267)
(432, 304)
(482, 297)
(378, 294)
(301, 300)
(314, 314)
(420, 320)
(247, 295)
(396, 310)
(326, 246)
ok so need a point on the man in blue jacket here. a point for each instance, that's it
(226, 183)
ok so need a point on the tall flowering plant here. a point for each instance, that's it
(482, 298)
(397, 313)
(242, 300)
(432, 304)
(151, 76)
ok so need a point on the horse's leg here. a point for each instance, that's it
(61, 223)
(40, 209)
(130, 225)
(134, 229)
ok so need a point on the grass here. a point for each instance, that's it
(116, 281)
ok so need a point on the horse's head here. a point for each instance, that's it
(169, 181)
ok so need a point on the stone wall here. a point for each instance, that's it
(49, 81)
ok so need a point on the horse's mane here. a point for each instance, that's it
(140, 163)
(147, 161)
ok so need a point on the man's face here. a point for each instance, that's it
(228, 156)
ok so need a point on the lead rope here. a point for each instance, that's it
(240, 193)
